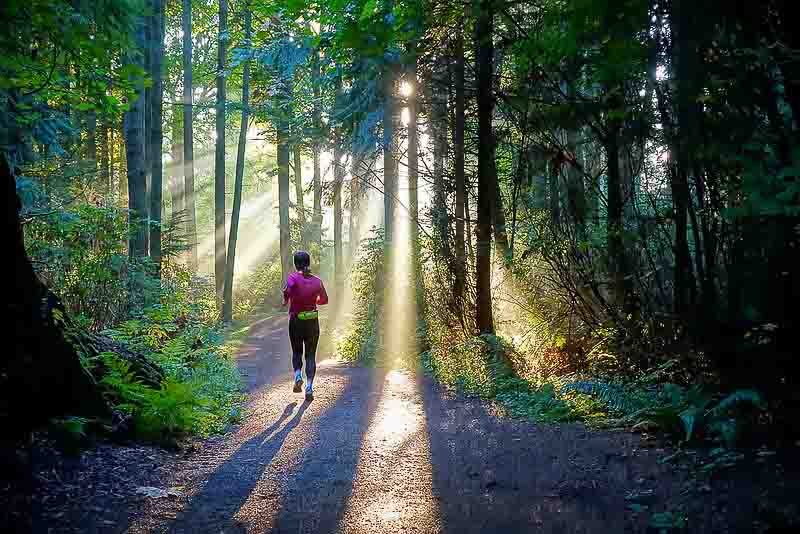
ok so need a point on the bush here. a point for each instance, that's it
(362, 341)
(202, 390)
(262, 287)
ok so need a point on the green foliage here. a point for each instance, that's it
(363, 342)
(260, 288)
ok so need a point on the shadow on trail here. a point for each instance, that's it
(231, 484)
(494, 474)
(316, 495)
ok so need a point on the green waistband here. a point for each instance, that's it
(305, 315)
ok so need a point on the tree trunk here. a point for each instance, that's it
(614, 223)
(554, 194)
(317, 121)
(499, 220)
(283, 194)
(389, 162)
(41, 363)
(156, 131)
(337, 223)
(147, 120)
(438, 127)
(188, 136)
(413, 158)
(338, 177)
(576, 195)
(227, 309)
(176, 176)
(355, 201)
(459, 170)
(91, 139)
(135, 158)
(298, 189)
(486, 179)
(683, 50)
(219, 160)
(105, 175)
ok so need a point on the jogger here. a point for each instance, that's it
(304, 291)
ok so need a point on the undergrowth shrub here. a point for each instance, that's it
(260, 288)
(362, 340)
(202, 390)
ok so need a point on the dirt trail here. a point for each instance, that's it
(384, 451)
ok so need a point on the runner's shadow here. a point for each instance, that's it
(315, 497)
(232, 483)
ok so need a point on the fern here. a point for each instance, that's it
(614, 396)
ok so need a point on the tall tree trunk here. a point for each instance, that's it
(227, 308)
(338, 178)
(148, 117)
(614, 224)
(105, 155)
(283, 190)
(176, 176)
(683, 50)
(413, 157)
(486, 179)
(134, 155)
(576, 195)
(298, 189)
(389, 162)
(156, 133)
(499, 219)
(355, 201)
(459, 170)
(441, 222)
(188, 136)
(337, 219)
(219, 160)
(317, 121)
(91, 138)
(554, 194)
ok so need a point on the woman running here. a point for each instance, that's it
(303, 292)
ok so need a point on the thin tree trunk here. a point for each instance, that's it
(576, 195)
(156, 131)
(91, 138)
(283, 192)
(298, 188)
(176, 185)
(614, 223)
(554, 194)
(188, 136)
(219, 160)
(338, 177)
(499, 220)
(486, 179)
(355, 200)
(105, 154)
(683, 51)
(317, 179)
(441, 222)
(134, 155)
(413, 158)
(227, 309)
(148, 117)
(459, 170)
(389, 164)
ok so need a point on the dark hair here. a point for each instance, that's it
(302, 262)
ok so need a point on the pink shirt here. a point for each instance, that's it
(303, 293)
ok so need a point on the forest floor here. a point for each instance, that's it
(386, 450)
